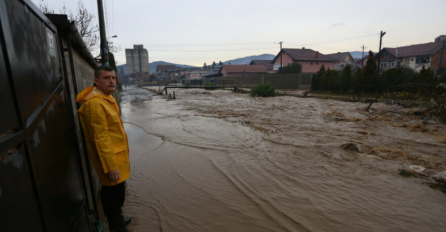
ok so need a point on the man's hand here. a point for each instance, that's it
(114, 176)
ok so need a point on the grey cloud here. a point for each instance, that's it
(335, 25)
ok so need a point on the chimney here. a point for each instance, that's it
(303, 48)
(317, 54)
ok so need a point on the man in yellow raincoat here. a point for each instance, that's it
(106, 143)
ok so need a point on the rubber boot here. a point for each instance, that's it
(116, 223)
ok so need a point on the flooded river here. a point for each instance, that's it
(217, 161)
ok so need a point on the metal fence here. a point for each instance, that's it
(279, 81)
(46, 182)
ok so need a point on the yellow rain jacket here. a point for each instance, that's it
(106, 139)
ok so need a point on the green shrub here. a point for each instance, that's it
(293, 68)
(263, 90)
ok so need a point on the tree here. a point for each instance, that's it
(346, 78)
(205, 65)
(213, 64)
(315, 81)
(220, 63)
(84, 22)
(326, 80)
(424, 76)
(293, 68)
(394, 78)
(366, 79)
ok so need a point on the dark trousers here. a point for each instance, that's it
(112, 198)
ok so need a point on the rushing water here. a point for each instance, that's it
(216, 161)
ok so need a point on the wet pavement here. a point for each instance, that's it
(222, 161)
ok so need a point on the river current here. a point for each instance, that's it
(218, 161)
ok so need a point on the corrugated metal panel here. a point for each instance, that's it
(42, 182)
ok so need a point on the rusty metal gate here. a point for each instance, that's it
(42, 180)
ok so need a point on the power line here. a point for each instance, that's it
(337, 40)
(193, 45)
(176, 58)
(228, 50)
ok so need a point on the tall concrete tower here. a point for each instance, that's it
(137, 59)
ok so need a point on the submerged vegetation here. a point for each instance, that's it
(263, 90)
(425, 89)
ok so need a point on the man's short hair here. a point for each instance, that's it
(98, 70)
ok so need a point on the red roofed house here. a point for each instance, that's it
(164, 67)
(389, 59)
(415, 56)
(163, 70)
(237, 70)
(310, 60)
(267, 63)
(342, 59)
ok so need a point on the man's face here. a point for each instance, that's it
(106, 81)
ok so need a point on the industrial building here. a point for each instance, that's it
(137, 59)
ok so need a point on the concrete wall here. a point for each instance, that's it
(83, 77)
(411, 62)
(84, 72)
(279, 81)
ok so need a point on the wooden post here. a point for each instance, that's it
(174, 95)
(170, 95)
(165, 90)
(262, 79)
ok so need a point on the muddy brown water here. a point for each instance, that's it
(217, 161)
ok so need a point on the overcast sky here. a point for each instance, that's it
(197, 31)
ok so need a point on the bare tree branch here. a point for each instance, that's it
(84, 22)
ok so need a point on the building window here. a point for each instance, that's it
(317, 63)
(386, 54)
(411, 59)
(383, 65)
(393, 64)
(311, 63)
(288, 63)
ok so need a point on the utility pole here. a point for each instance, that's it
(379, 51)
(375, 81)
(363, 56)
(281, 54)
(104, 52)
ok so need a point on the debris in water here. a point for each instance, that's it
(350, 147)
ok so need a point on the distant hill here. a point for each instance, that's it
(248, 59)
(240, 61)
(152, 66)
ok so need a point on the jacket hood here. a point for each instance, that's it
(91, 92)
